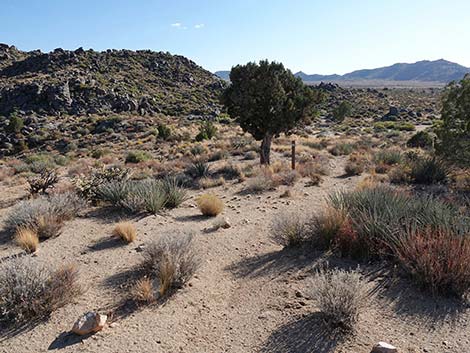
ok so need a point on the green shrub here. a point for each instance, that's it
(164, 132)
(175, 195)
(16, 124)
(137, 156)
(198, 169)
(341, 149)
(207, 131)
(388, 157)
(342, 111)
(421, 139)
(429, 171)
(87, 186)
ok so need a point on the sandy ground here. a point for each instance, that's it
(249, 295)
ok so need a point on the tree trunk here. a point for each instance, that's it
(265, 151)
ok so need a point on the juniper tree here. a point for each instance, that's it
(266, 99)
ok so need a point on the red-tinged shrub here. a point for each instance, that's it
(438, 260)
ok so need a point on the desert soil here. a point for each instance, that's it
(249, 295)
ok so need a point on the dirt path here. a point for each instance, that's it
(247, 296)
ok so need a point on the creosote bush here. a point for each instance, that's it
(171, 261)
(429, 171)
(210, 205)
(340, 295)
(137, 156)
(31, 290)
(126, 231)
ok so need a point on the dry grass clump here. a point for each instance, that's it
(172, 261)
(143, 291)
(126, 231)
(262, 182)
(31, 290)
(27, 239)
(289, 229)
(320, 164)
(340, 295)
(437, 259)
(207, 183)
(210, 205)
(315, 180)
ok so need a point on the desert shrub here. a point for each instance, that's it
(137, 156)
(381, 215)
(230, 171)
(164, 132)
(388, 157)
(340, 295)
(198, 169)
(421, 139)
(354, 168)
(32, 290)
(324, 227)
(147, 195)
(45, 215)
(197, 150)
(143, 291)
(175, 195)
(207, 131)
(218, 155)
(42, 182)
(437, 259)
(16, 124)
(250, 155)
(342, 111)
(399, 175)
(207, 183)
(260, 183)
(319, 165)
(315, 180)
(27, 239)
(172, 261)
(288, 178)
(210, 205)
(341, 149)
(289, 229)
(88, 186)
(429, 170)
(126, 231)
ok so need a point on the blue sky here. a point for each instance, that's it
(334, 36)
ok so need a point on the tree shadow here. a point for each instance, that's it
(307, 334)
(106, 243)
(110, 214)
(275, 263)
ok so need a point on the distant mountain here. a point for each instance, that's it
(422, 71)
(224, 75)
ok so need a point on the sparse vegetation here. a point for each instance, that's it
(27, 239)
(172, 261)
(341, 296)
(289, 229)
(125, 231)
(32, 290)
(137, 157)
(210, 205)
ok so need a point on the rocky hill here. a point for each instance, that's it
(90, 82)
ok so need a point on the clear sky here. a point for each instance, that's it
(315, 36)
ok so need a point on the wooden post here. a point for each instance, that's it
(293, 155)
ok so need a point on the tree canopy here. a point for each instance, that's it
(454, 132)
(266, 99)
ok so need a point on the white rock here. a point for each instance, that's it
(383, 347)
(89, 323)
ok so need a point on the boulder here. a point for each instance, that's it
(383, 347)
(90, 322)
